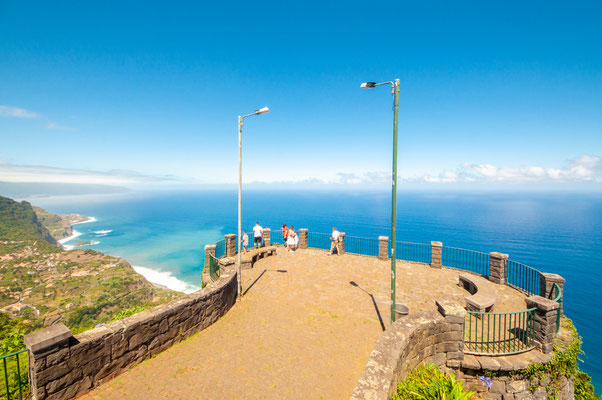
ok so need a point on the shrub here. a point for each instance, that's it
(427, 382)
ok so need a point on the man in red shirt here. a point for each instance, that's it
(284, 234)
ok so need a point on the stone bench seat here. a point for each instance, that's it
(249, 258)
(483, 295)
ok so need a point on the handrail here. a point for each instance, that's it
(558, 299)
(20, 384)
(499, 333)
(214, 271)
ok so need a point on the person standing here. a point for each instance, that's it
(334, 241)
(245, 241)
(284, 234)
(291, 241)
(257, 232)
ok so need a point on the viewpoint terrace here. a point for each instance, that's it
(309, 325)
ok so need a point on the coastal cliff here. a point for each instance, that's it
(59, 226)
(41, 283)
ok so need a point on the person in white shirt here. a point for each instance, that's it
(257, 232)
(334, 241)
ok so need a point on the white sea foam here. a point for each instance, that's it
(90, 219)
(103, 233)
(69, 238)
(165, 279)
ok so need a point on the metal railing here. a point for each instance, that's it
(318, 240)
(466, 260)
(416, 252)
(361, 246)
(523, 277)
(213, 268)
(276, 236)
(556, 295)
(16, 383)
(487, 333)
(220, 248)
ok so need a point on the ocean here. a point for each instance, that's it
(163, 234)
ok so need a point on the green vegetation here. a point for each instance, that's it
(564, 363)
(427, 383)
(18, 222)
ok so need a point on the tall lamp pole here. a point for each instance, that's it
(395, 87)
(239, 237)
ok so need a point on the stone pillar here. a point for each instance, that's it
(497, 267)
(436, 254)
(302, 238)
(230, 244)
(209, 250)
(341, 246)
(266, 235)
(383, 247)
(48, 348)
(453, 344)
(546, 285)
(545, 321)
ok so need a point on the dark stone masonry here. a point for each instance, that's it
(63, 366)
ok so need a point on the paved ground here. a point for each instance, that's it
(302, 331)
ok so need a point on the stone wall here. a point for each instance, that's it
(430, 337)
(64, 366)
(421, 337)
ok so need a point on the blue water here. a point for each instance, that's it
(552, 232)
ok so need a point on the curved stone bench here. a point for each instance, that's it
(250, 258)
(483, 295)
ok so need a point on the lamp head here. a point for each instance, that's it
(368, 85)
(262, 110)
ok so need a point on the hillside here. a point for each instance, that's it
(18, 221)
(41, 283)
(58, 225)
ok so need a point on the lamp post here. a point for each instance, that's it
(395, 87)
(238, 238)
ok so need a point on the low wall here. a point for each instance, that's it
(421, 337)
(62, 366)
(430, 337)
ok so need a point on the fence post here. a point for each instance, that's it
(546, 285)
(341, 246)
(209, 250)
(266, 234)
(383, 247)
(544, 325)
(48, 344)
(302, 238)
(436, 254)
(230, 239)
(498, 265)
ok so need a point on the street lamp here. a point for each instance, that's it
(395, 87)
(238, 238)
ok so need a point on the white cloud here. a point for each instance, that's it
(16, 112)
(28, 173)
(584, 168)
(57, 127)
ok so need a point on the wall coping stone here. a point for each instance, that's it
(553, 277)
(451, 310)
(230, 235)
(43, 339)
(541, 303)
(437, 244)
(495, 254)
(383, 238)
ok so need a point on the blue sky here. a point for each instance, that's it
(504, 94)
